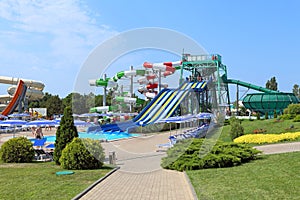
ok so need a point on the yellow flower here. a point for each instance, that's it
(267, 138)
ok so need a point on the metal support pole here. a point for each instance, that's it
(131, 89)
(20, 107)
(104, 91)
(159, 81)
(237, 99)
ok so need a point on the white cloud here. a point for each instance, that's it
(41, 35)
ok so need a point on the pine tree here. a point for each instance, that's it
(65, 133)
(296, 90)
(272, 84)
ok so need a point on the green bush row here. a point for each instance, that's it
(189, 155)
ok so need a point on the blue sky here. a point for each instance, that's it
(50, 40)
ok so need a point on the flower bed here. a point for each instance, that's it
(267, 138)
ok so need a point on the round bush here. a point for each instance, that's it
(82, 154)
(17, 150)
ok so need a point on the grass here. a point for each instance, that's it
(39, 181)
(270, 125)
(271, 177)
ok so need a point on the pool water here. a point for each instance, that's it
(98, 136)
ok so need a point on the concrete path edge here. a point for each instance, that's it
(191, 186)
(77, 197)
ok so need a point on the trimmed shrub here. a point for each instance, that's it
(266, 115)
(297, 119)
(17, 150)
(275, 114)
(187, 155)
(258, 116)
(236, 128)
(293, 109)
(286, 116)
(82, 154)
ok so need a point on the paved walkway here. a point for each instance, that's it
(140, 175)
(160, 184)
(279, 148)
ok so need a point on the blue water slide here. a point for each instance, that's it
(148, 109)
(165, 101)
(158, 104)
(153, 101)
(164, 112)
(174, 102)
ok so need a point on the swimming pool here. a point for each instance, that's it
(110, 136)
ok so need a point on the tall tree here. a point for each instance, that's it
(272, 84)
(65, 133)
(296, 90)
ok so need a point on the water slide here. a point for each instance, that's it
(103, 109)
(162, 106)
(166, 105)
(111, 81)
(124, 125)
(251, 86)
(33, 91)
(268, 100)
(29, 83)
(160, 98)
(17, 98)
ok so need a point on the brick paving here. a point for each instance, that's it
(279, 148)
(140, 175)
(160, 184)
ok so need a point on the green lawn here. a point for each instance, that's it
(270, 125)
(39, 181)
(271, 177)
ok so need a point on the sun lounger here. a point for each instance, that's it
(165, 146)
(41, 155)
(39, 142)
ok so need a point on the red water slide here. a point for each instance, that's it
(18, 96)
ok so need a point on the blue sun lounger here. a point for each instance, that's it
(165, 146)
(39, 142)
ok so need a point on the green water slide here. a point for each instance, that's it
(251, 86)
(267, 101)
(115, 78)
(104, 82)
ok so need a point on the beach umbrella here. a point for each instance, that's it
(80, 123)
(3, 117)
(76, 122)
(90, 115)
(41, 123)
(14, 115)
(13, 122)
(204, 115)
(177, 119)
